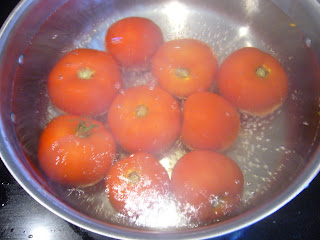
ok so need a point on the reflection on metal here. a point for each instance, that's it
(40, 233)
(177, 14)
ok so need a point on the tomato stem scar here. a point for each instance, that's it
(262, 72)
(85, 73)
(133, 177)
(182, 72)
(142, 110)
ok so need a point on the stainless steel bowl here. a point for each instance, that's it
(278, 154)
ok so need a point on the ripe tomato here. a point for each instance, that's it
(133, 40)
(184, 66)
(84, 82)
(136, 184)
(208, 185)
(209, 122)
(144, 119)
(253, 80)
(76, 151)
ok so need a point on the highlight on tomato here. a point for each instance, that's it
(144, 119)
(84, 82)
(133, 41)
(185, 66)
(76, 151)
(137, 185)
(208, 185)
(253, 80)
(209, 122)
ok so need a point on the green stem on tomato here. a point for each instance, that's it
(182, 72)
(83, 129)
(85, 73)
(133, 177)
(142, 110)
(262, 72)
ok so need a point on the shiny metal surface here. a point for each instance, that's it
(278, 154)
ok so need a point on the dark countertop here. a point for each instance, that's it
(24, 218)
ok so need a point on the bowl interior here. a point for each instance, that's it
(272, 151)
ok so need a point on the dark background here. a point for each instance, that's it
(21, 217)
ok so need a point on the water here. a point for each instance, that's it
(262, 150)
(257, 137)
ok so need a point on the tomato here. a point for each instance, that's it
(84, 82)
(75, 151)
(184, 66)
(133, 40)
(209, 122)
(136, 184)
(208, 185)
(253, 80)
(144, 119)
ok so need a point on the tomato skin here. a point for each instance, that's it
(239, 83)
(189, 54)
(133, 40)
(209, 122)
(152, 133)
(79, 96)
(70, 159)
(201, 179)
(149, 185)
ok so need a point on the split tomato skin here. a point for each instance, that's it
(133, 41)
(210, 122)
(207, 184)
(254, 81)
(84, 82)
(185, 66)
(136, 184)
(144, 119)
(76, 151)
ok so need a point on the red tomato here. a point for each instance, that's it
(84, 82)
(144, 119)
(209, 122)
(185, 66)
(136, 183)
(133, 40)
(209, 185)
(76, 151)
(253, 80)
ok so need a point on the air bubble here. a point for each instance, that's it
(307, 42)
(21, 59)
(237, 182)
(117, 85)
(151, 86)
(174, 106)
(13, 117)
